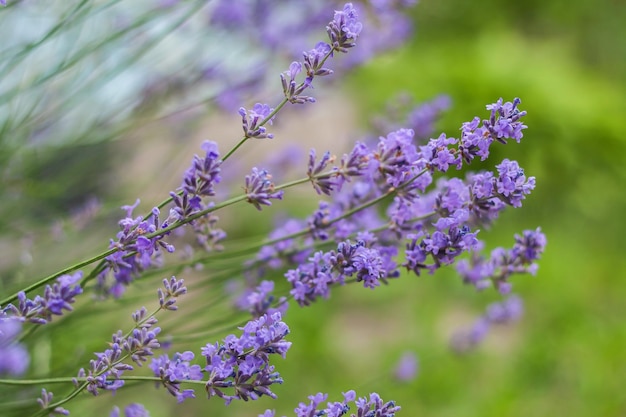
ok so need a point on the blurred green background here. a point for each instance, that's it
(566, 60)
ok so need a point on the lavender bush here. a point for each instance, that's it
(391, 208)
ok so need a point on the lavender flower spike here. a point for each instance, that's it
(322, 184)
(204, 173)
(259, 189)
(254, 119)
(56, 298)
(344, 29)
(374, 407)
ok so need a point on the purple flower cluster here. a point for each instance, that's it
(254, 120)
(507, 311)
(242, 363)
(372, 407)
(203, 174)
(239, 363)
(172, 371)
(503, 123)
(259, 189)
(443, 246)
(199, 181)
(436, 223)
(56, 298)
(498, 268)
(314, 278)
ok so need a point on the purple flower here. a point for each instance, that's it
(173, 371)
(46, 400)
(407, 367)
(354, 164)
(292, 90)
(56, 298)
(505, 312)
(344, 29)
(259, 189)
(131, 410)
(106, 370)
(395, 155)
(442, 246)
(242, 363)
(204, 172)
(511, 184)
(502, 264)
(320, 221)
(254, 120)
(438, 155)
(136, 251)
(314, 278)
(322, 183)
(306, 410)
(374, 407)
(529, 246)
(313, 62)
(503, 123)
(14, 358)
(174, 288)
(504, 120)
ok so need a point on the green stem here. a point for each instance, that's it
(58, 274)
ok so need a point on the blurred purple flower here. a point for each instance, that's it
(14, 358)
(407, 367)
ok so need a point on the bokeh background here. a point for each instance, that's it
(566, 60)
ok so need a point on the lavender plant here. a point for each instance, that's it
(388, 212)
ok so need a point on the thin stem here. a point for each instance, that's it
(58, 274)
(84, 379)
